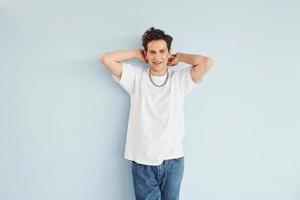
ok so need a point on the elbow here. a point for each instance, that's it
(209, 62)
(205, 62)
(103, 58)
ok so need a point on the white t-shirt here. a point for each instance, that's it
(156, 120)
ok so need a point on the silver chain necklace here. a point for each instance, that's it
(155, 83)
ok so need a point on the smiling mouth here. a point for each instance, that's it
(157, 63)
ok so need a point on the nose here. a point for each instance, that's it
(156, 56)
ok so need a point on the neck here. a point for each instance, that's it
(158, 73)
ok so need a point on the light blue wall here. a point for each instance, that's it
(63, 119)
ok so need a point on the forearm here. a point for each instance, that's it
(192, 59)
(121, 55)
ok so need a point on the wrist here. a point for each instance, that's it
(179, 56)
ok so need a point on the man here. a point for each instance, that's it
(156, 123)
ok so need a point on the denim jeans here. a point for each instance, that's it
(160, 182)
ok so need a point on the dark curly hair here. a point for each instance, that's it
(156, 34)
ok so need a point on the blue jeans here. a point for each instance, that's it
(160, 182)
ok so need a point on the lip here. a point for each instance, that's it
(157, 63)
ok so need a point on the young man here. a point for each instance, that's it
(156, 123)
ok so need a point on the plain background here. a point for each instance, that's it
(63, 119)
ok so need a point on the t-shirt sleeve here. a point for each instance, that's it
(128, 77)
(186, 82)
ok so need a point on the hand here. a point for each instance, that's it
(173, 60)
(140, 54)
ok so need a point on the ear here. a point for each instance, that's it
(145, 55)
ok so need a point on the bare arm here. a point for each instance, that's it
(200, 64)
(112, 60)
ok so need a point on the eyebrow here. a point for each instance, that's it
(160, 49)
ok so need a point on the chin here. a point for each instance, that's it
(159, 67)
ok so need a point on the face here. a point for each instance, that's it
(157, 55)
